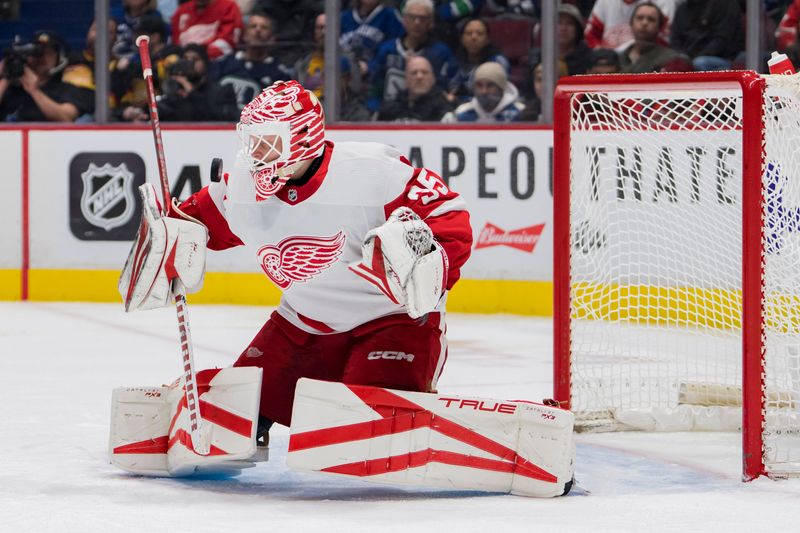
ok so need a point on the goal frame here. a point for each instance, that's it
(753, 87)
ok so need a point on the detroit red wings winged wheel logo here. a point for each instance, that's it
(268, 183)
(298, 259)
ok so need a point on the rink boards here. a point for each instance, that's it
(69, 209)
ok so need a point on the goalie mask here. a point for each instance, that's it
(281, 127)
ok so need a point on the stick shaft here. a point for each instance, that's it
(178, 290)
(143, 43)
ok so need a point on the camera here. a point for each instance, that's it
(170, 88)
(182, 67)
(16, 57)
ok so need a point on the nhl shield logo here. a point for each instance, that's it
(103, 204)
(105, 188)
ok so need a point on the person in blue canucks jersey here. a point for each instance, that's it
(368, 25)
(387, 69)
(254, 67)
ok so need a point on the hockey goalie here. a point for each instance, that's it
(364, 247)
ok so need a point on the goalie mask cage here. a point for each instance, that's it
(677, 257)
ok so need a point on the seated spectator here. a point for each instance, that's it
(450, 14)
(387, 69)
(709, 32)
(609, 23)
(294, 25)
(253, 67)
(571, 48)
(646, 54)
(215, 24)
(353, 107)
(32, 88)
(533, 106)
(604, 61)
(126, 16)
(786, 32)
(495, 97)
(365, 27)
(188, 95)
(311, 68)
(422, 100)
(126, 77)
(474, 50)
(80, 70)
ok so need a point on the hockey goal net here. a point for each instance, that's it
(677, 257)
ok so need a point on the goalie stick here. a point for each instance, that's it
(199, 444)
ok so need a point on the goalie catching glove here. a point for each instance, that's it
(165, 249)
(402, 258)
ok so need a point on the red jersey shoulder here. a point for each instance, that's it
(424, 191)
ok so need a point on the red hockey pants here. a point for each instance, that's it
(395, 351)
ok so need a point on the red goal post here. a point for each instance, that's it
(677, 257)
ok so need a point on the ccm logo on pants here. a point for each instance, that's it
(398, 356)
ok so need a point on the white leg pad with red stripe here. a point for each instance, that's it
(434, 440)
(150, 425)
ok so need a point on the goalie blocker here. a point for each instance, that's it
(370, 433)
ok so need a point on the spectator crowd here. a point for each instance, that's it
(409, 61)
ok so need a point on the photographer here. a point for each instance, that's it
(188, 95)
(31, 88)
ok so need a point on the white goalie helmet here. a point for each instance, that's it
(279, 128)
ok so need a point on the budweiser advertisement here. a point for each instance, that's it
(522, 239)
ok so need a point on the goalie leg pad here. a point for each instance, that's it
(150, 425)
(139, 430)
(415, 438)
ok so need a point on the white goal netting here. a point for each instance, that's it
(656, 229)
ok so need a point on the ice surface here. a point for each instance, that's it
(59, 362)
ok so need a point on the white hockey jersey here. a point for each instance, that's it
(305, 237)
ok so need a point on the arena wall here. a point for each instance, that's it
(69, 209)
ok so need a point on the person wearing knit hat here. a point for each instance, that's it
(493, 72)
(495, 98)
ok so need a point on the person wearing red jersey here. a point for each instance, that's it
(363, 245)
(215, 24)
(786, 32)
(609, 24)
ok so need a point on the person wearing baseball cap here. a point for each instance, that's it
(33, 90)
(495, 99)
(604, 61)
